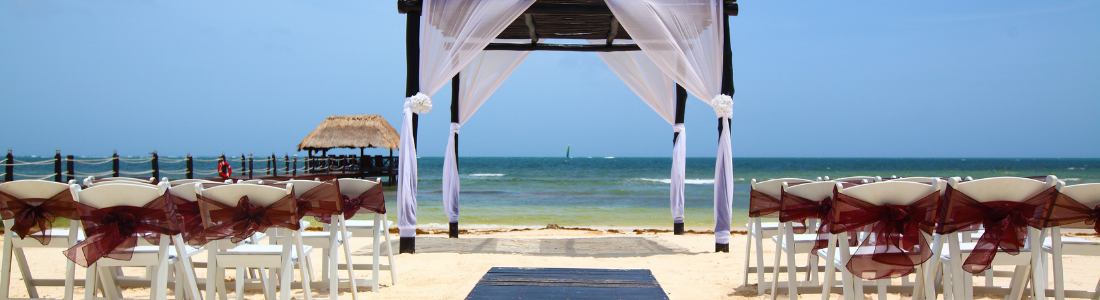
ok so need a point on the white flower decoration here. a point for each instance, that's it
(723, 105)
(419, 103)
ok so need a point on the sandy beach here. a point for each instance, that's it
(685, 266)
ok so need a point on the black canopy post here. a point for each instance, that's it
(190, 166)
(9, 167)
(727, 89)
(249, 165)
(456, 88)
(681, 103)
(412, 86)
(156, 166)
(69, 164)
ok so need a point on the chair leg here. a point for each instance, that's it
(5, 265)
(107, 278)
(748, 255)
(759, 237)
(792, 266)
(25, 271)
(775, 265)
(1019, 282)
(211, 271)
(347, 259)
(220, 279)
(830, 270)
(389, 250)
(269, 283)
(90, 282)
(303, 261)
(286, 275)
(379, 222)
(881, 284)
(240, 284)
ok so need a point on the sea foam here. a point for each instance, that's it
(686, 181)
(487, 175)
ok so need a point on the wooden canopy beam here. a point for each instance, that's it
(562, 47)
(406, 6)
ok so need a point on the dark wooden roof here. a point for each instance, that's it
(561, 19)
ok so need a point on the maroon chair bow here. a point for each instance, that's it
(797, 209)
(187, 218)
(320, 202)
(896, 240)
(1005, 223)
(34, 216)
(372, 200)
(113, 231)
(762, 205)
(240, 222)
(1068, 212)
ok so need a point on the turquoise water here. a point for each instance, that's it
(632, 192)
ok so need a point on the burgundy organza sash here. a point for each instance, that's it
(113, 231)
(240, 222)
(320, 202)
(896, 240)
(798, 209)
(187, 218)
(762, 205)
(1069, 212)
(372, 200)
(33, 216)
(1005, 223)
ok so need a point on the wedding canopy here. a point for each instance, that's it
(654, 45)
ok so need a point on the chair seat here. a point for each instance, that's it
(364, 224)
(320, 239)
(263, 250)
(58, 238)
(804, 243)
(1002, 258)
(146, 256)
(1074, 246)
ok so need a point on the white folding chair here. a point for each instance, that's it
(957, 283)
(1080, 201)
(158, 259)
(763, 202)
(899, 193)
(92, 180)
(793, 244)
(859, 179)
(224, 254)
(376, 229)
(34, 192)
(329, 242)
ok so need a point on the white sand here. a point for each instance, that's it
(685, 266)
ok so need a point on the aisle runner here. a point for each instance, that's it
(559, 283)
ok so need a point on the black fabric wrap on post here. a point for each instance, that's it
(412, 86)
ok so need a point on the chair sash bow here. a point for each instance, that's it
(1005, 223)
(320, 202)
(240, 222)
(113, 231)
(187, 218)
(797, 209)
(896, 243)
(372, 200)
(1068, 212)
(763, 205)
(34, 216)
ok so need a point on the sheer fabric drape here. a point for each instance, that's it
(684, 38)
(478, 80)
(659, 92)
(452, 33)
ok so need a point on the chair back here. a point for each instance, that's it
(1087, 194)
(353, 186)
(892, 192)
(1013, 189)
(817, 191)
(33, 188)
(119, 194)
(189, 192)
(859, 179)
(186, 181)
(301, 186)
(774, 187)
(257, 194)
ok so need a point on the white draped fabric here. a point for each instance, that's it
(659, 92)
(452, 33)
(685, 38)
(478, 80)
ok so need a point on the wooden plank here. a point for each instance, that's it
(565, 283)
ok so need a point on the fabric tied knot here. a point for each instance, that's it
(371, 200)
(419, 103)
(455, 127)
(723, 105)
(250, 216)
(240, 222)
(679, 127)
(798, 209)
(895, 244)
(113, 231)
(1094, 218)
(1005, 223)
(34, 216)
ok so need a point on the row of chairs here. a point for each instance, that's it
(1004, 214)
(178, 219)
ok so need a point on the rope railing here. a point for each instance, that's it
(100, 174)
(172, 161)
(174, 172)
(206, 172)
(206, 160)
(33, 176)
(93, 161)
(135, 160)
(30, 163)
(135, 173)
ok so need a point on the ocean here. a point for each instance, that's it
(621, 192)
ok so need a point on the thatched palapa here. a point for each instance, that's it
(358, 131)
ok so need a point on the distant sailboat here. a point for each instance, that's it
(567, 158)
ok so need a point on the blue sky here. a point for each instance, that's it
(813, 79)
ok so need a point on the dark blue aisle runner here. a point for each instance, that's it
(561, 283)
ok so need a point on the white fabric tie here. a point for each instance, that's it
(679, 127)
(455, 127)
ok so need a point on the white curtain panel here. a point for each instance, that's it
(685, 38)
(659, 92)
(452, 33)
(478, 80)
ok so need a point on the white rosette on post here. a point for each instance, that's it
(723, 171)
(406, 183)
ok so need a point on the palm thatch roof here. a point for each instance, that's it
(359, 131)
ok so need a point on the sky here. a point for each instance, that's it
(813, 79)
